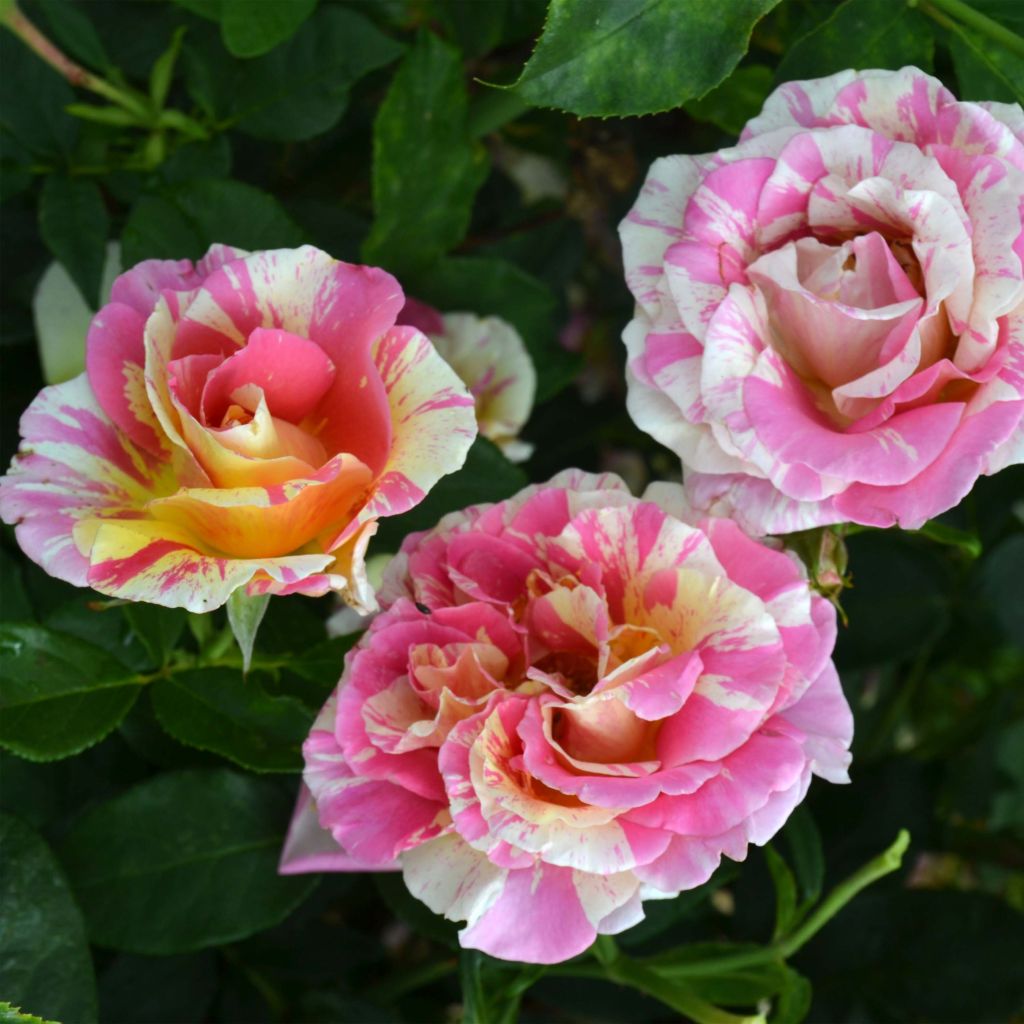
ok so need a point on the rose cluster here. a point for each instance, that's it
(574, 700)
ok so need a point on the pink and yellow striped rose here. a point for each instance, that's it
(242, 422)
(829, 316)
(572, 702)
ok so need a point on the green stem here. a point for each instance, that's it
(974, 19)
(73, 73)
(885, 863)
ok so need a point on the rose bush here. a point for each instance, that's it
(572, 702)
(830, 315)
(490, 358)
(242, 422)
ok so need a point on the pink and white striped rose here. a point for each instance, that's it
(572, 702)
(490, 358)
(242, 422)
(830, 315)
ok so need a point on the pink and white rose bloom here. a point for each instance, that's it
(242, 422)
(572, 702)
(830, 315)
(490, 358)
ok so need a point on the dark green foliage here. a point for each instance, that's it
(45, 967)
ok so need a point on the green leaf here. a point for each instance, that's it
(11, 1014)
(163, 70)
(941, 533)
(252, 27)
(183, 861)
(74, 32)
(58, 694)
(1000, 583)
(207, 159)
(179, 122)
(743, 987)
(861, 34)
(486, 476)
(495, 287)
(422, 124)
(297, 91)
(74, 224)
(159, 629)
(984, 69)
(219, 710)
(209, 9)
(785, 892)
(803, 843)
(245, 613)
(324, 662)
(116, 116)
(793, 1002)
(185, 220)
(32, 101)
(733, 103)
(602, 58)
(45, 967)
(105, 627)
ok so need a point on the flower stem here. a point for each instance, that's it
(73, 73)
(885, 863)
(974, 19)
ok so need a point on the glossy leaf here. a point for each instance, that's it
(298, 90)
(422, 124)
(222, 711)
(181, 862)
(58, 694)
(861, 34)
(45, 966)
(32, 101)
(495, 287)
(734, 102)
(252, 27)
(72, 29)
(785, 892)
(985, 70)
(601, 58)
(74, 224)
(802, 843)
(157, 628)
(185, 220)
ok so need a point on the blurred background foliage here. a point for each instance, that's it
(146, 785)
